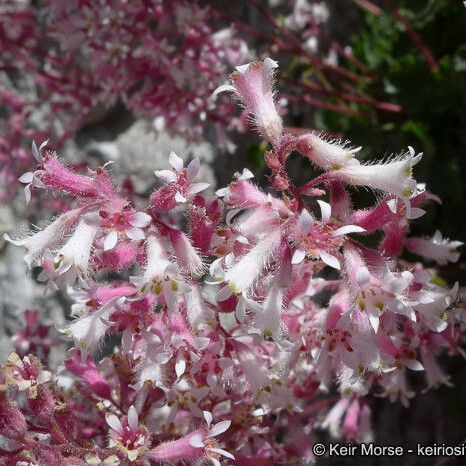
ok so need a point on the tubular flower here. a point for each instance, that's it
(436, 248)
(394, 177)
(127, 435)
(253, 84)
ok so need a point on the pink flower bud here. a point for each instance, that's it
(56, 176)
(87, 371)
(178, 450)
(325, 154)
(12, 422)
(186, 254)
(253, 84)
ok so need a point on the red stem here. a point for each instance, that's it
(415, 37)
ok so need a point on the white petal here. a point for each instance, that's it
(246, 175)
(326, 210)
(93, 219)
(192, 170)
(416, 212)
(180, 198)
(219, 428)
(330, 260)
(196, 441)
(437, 236)
(355, 150)
(110, 240)
(207, 417)
(240, 311)
(270, 64)
(219, 451)
(180, 367)
(38, 153)
(35, 152)
(414, 365)
(140, 219)
(132, 454)
(362, 276)
(393, 205)
(26, 177)
(223, 294)
(201, 343)
(114, 422)
(200, 393)
(43, 145)
(135, 234)
(374, 320)
(305, 222)
(198, 187)
(214, 461)
(175, 161)
(221, 192)
(223, 88)
(348, 229)
(243, 68)
(133, 421)
(166, 175)
(298, 256)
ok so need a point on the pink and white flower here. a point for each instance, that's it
(436, 248)
(128, 435)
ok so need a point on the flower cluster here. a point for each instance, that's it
(245, 307)
(63, 63)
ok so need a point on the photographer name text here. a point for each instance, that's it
(371, 449)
